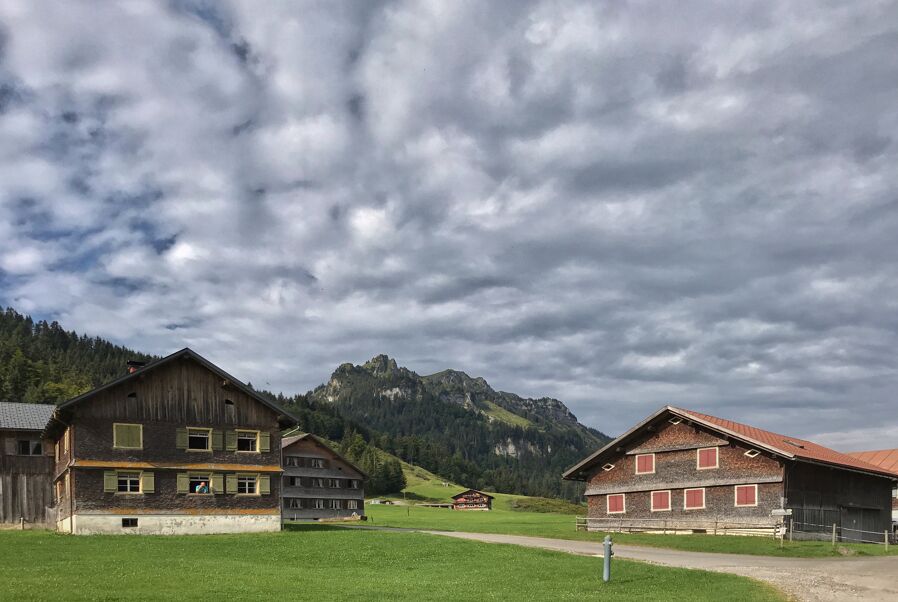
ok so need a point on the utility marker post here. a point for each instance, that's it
(606, 572)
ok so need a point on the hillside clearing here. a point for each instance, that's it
(314, 562)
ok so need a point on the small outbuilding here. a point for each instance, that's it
(471, 499)
(26, 463)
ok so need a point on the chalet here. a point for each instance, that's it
(26, 462)
(888, 460)
(318, 483)
(471, 499)
(684, 469)
(175, 446)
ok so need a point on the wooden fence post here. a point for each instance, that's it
(834, 535)
(791, 528)
(886, 539)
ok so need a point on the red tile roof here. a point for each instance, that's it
(884, 458)
(789, 446)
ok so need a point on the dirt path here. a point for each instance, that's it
(807, 579)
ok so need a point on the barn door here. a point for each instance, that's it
(852, 523)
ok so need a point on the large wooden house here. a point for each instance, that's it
(686, 470)
(471, 499)
(176, 446)
(886, 459)
(26, 462)
(319, 483)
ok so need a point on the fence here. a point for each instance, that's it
(675, 525)
(837, 533)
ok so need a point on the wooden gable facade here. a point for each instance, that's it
(178, 446)
(678, 470)
(471, 499)
(319, 483)
(26, 464)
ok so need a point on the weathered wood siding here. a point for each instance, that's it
(675, 447)
(298, 484)
(25, 481)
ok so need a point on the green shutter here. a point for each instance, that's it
(147, 482)
(231, 440)
(110, 481)
(217, 483)
(181, 439)
(264, 442)
(232, 483)
(216, 440)
(183, 482)
(264, 484)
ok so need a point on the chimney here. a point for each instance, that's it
(134, 366)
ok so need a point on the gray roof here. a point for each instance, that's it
(25, 416)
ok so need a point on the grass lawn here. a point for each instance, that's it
(329, 563)
(561, 526)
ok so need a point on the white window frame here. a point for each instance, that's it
(352, 504)
(255, 479)
(119, 474)
(704, 499)
(698, 455)
(608, 503)
(675, 421)
(736, 496)
(752, 453)
(608, 467)
(247, 432)
(317, 462)
(198, 476)
(319, 504)
(208, 432)
(669, 500)
(636, 464)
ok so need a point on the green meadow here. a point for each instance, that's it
(315, 562)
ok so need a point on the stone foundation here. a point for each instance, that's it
(171, 524)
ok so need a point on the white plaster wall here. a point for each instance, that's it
(63, 525)
(174, 524)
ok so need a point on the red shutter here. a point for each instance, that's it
(707, 458)
(695, 498)
(661, 500)
(645, 464)
(745, 495)
(616, 503)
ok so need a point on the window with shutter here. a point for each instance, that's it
(746, 495)
(645, 463)
(617, 503)
(706, 458)
(231, 482)
(660, 501)
(217, 440)
(127, 436)
(110, 482)
(264, 442)
(147, 482)
(181, 438)
(694, 499)
(217, 483)
(248, 441)
(199, 439)
(231, 440)
(264, 484)
(183, 482)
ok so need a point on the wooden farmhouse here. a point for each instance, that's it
(176, 446)
(319, 483)
(26, 461)
(471, 499)
(686, 470)
(886, 459)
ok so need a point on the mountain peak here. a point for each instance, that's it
(381, 364)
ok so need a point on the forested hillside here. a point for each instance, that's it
(41, 362)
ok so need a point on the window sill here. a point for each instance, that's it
(244, 451)
(202, 451)
(126, 448)
(199, 494)
(129, 493)
(248, 494)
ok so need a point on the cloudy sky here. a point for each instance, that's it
(617, 204)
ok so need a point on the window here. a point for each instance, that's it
(127, 436)
(660, 501)
(246, 484)
(353, 484)
(247, 441)
(317, 482)
(29, 447)
(706, 458)
(335, 483)
(65, 440)
(128, 482)
(293, 502)
(694, 499)
(336, 505)
(129, 523)
(746, 495)
(617, 503)
(675, 420)
(199, 484)
(607, 467)
(645, 464)
(352, 504)
(60, 490)
(752, 453)
(317, 463)
(199, 440)
(319, 504)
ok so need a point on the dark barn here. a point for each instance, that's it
(26, 463)
(682, 470)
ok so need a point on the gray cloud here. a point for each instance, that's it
(617, 205)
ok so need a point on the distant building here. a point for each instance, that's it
(887, 459)
(683, 469)
(319, 483)
(26, 463)
(176, 446)
(471, 499)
